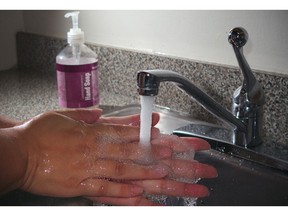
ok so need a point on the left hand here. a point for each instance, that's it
(179, 168)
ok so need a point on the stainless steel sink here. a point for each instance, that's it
(245, 177)
(243, 183)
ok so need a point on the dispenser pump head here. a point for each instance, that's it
(75, 35)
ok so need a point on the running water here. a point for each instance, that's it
(147, 103)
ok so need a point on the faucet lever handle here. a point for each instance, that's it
(238, 37)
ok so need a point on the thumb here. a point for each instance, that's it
(89, 116)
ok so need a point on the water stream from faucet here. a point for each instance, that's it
(147, 103)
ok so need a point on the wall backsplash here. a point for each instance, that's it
(118, 69)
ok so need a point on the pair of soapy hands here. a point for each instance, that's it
(79, 153)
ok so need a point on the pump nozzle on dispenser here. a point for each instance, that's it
(75, 35)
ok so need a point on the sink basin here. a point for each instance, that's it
(240, 182)
(253, 180)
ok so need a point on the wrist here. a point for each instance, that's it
(13, 160)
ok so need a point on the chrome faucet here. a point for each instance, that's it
(247, 103)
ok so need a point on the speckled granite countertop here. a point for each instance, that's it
(26, 93)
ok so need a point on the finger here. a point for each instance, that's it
(155, 118)
(131, 201)
(180, 144)
(133, 120)
(172, 188)
(100, 187)
(189, 169)
(197, 144)
(111, 169)
(113, 133)
(89, 116)
(131, 151)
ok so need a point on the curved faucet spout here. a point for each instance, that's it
(148, 82)
(248, 99)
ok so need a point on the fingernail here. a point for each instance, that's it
(215, 173)
(160, 170)
(196, 190)
(207, 171)
(211, 172)
(155, 132)
(136, 190)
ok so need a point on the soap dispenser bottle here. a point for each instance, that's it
(77, 70)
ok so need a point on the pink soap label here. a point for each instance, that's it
(78, 85)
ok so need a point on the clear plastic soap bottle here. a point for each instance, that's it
(77, 70)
